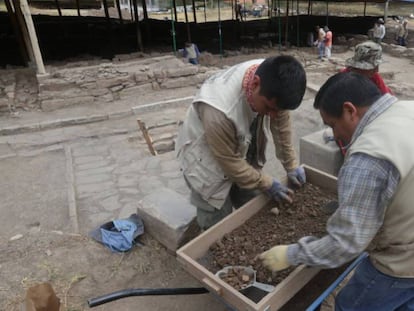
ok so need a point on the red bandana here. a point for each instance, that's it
(247, 82)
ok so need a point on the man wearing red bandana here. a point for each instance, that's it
(222, 143)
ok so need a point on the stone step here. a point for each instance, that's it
(168, 217)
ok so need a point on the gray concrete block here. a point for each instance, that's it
(168, 217)
(318, 154)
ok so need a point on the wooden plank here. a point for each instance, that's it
(189, 254)
(216, 285)
(147, 138)
(321, 179)
(288, 288)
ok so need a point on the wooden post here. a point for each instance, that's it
(144, 8)
(194, 11)
(139, 37)
(186, 22)
(269, 9)
(298, 23)
(105, 5)
(287, 23)
(175, 11)
(17, 32)
(32, 37)
(78, 7)
(205, 14)
(386, 10)
(58, 7)
(118, 7)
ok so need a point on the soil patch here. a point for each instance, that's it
(276, 224)
(273, 225)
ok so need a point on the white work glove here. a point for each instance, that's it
(297, 176)
(279, 192)
(275, 259)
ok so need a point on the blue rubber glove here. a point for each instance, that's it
(297, 176)
(280, 192)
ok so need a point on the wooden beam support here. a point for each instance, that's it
(24, 6)
(145, 9)
(17, 32)
(138, 30)
(186, 22)
(194, 11)
(105, 5)
(78, 7)
(58, 7)
(118, 7)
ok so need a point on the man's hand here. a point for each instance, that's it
(280, 192)
(275, 259)
(297, 177)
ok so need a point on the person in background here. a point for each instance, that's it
(191, 53)
(366, 60)
(328, 42)
(320, 42)
(402, 32)
(375, 193)
(238, 9)
(379, 31)
(221, 144)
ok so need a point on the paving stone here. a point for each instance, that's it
(92, 165)
(168, 217)
(129, 180)
(95, 171)
(111, 203)
(92, 179)
(88, 189)
(129, 190)
(128, 209)
(149, 184)
(88, 159)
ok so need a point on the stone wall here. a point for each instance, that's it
(18, 90)
(80, 83)
(112, 81)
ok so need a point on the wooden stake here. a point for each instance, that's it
(147, 138)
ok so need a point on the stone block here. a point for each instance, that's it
(315, 152)
(135, 91)
(168, 217)
(178, 82)
(182, 71)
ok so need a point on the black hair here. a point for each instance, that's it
(284, 79)
(342, 87)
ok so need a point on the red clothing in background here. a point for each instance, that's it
(377, 79)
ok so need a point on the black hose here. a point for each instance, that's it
(93, 302)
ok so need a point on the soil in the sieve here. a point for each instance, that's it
(274, 224)
(237, 277)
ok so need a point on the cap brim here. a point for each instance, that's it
(359, 65)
